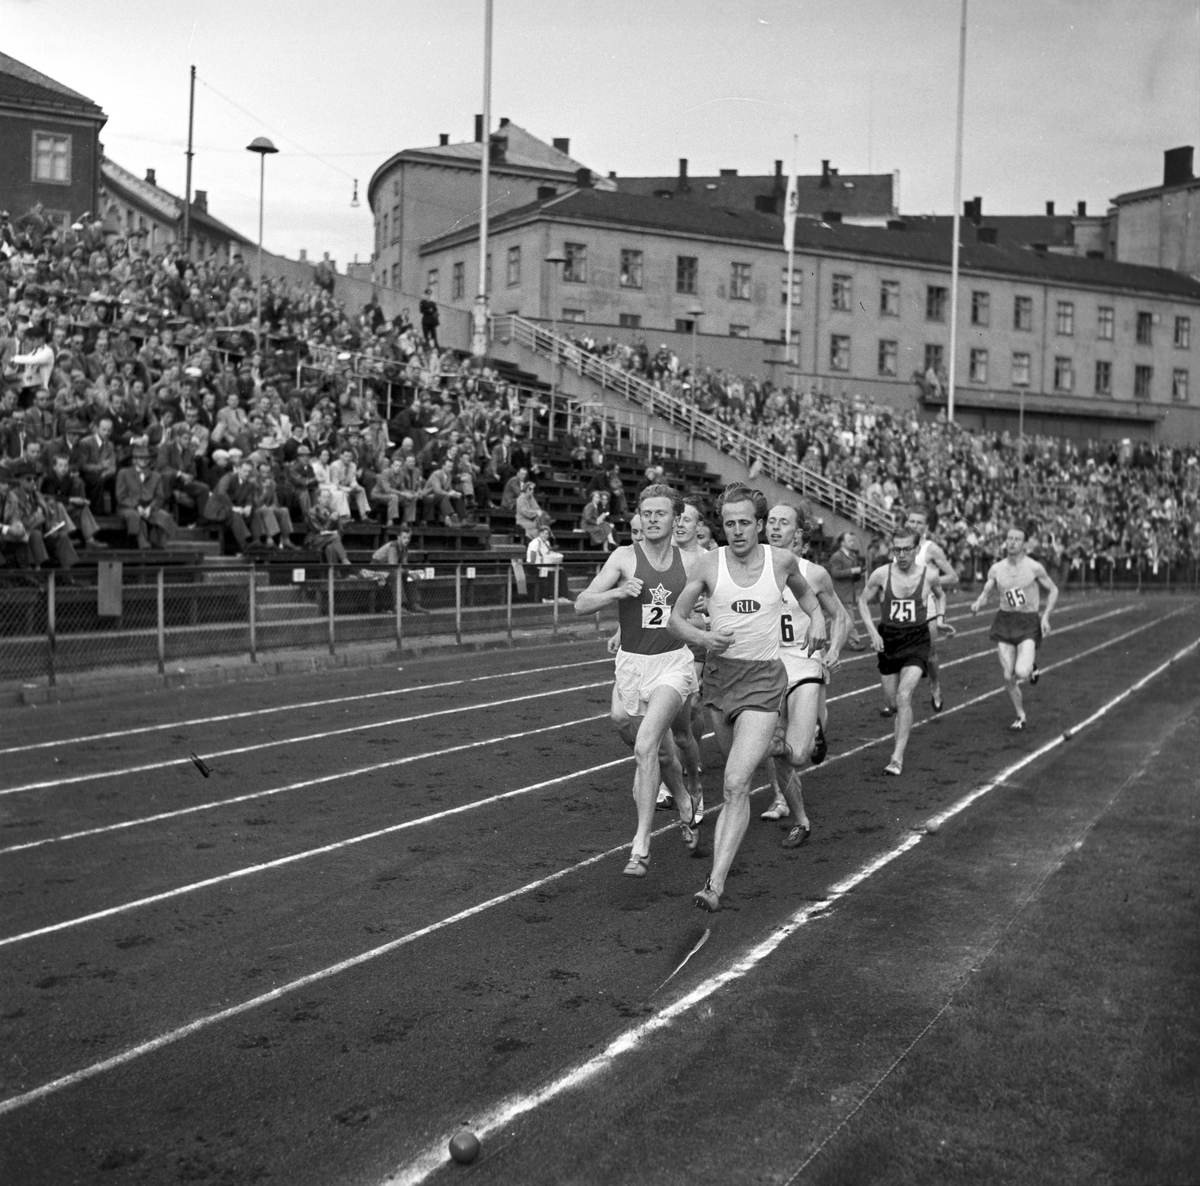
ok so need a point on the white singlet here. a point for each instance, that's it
(751, 613)
(793, 627)
(921, 560)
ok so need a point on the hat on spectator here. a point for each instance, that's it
(235, 454)
(303, 449)
(141, 451)
(220, 455)
(22, 469)
(76, 425)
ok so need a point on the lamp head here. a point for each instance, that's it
(261, 145)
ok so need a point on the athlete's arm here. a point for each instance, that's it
(872, 589)
(946, 573)
(835, 613)
(613, 645)
(614, 581)
(990, 584)
(1050, 589)
(788, 566)
(702, 583)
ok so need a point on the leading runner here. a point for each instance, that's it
(744, 679)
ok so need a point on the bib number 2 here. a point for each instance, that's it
(654, 617)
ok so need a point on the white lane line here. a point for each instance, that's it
(211, 756)
(171, 1036)
(165, 815)
(248, 870)
(258, 712)
(506, 1111)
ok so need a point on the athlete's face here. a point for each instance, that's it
(916, 524)
(658, 519)
(904, 551)
(1014, 543)
(741, 527)
(685, 526)
(704, 537)
(782, 526)
(635, 529)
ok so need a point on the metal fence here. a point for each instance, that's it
(51, 625)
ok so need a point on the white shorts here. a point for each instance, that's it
(638, 676)
(802, 668)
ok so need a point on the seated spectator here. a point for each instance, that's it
(513, 488)
(343, 476)
(302, 480)
(141, 502)
(395, 554)
(539, 550)
(30, 525)
(276, 519)
(439, 494)
(66, 489)
(177, 461)
(594, 522)
(394, 491)
(325, 529)
(530, 516)
(234, 504)
(95, 460)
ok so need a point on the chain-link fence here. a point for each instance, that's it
(130, 616)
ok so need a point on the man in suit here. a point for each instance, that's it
(95, 459)
(141, 502)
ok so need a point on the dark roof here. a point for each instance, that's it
(691, 219)
(1012, 230)
(860, 194)
(21, 84)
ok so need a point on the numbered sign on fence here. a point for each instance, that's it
(429, 574)
(299, 576)
(470, 572)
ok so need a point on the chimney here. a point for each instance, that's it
(681, 185)
(499, 147)
(563, 144)
(1081, 210)
(779, 168)
(824, 174)
(612, 174)
(479, 129)
(443, 139)
(1049, 209)
(1177, 165)
(303, 255)
(728, 172)
(504, 121)
(200, 201)
(150, 178)
(546, 192)
(973, 210)
(583, 178)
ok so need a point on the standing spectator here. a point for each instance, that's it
(430, 319)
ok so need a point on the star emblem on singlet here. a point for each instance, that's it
(660, 594)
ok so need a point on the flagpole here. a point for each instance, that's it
(958, 140)
(479, 320)
(789, 238)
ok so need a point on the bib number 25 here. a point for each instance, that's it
(904, 610)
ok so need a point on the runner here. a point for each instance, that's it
(688, 741)
(902, 639)
(1018, 628)
(800, 734)
(930, 554)
(654, 675)
(744, 679)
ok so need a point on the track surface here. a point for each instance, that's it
(396, 906)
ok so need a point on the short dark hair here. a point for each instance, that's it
(740, 492)
(662, 490)
(902, 533)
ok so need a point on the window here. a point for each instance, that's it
(1183, 333)
(1023, 313)
(839, 352)
(843, 293)
(431, 281)
(572, 315)
(629, 320)
(934, 355)
(889, 298)
(684, 325)
(1145, 329)
(52, 158)
(396, 223)
(739, 282)
(1064, 318)
(739, 331)
(395, 275)
(685, 273)
(631, 269)
(1103, 377)
(888, 353)
(383, 235)
(458, 282)
(575, 269)
(512, 270)
(1105, 320)
(1142, 378)
(979, 361)
(797, 277)
(1179, 386)
(981, 310)
(1064, 374)
(1020, 369)
(936, 300)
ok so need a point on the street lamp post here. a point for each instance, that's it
(262, 146)
(695, 313)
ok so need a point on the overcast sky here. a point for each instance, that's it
(1066, 99)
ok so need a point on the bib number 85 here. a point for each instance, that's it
(1015, 598)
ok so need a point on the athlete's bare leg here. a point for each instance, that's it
(903, 686)
(748, 739)
(803, 712)
(932, 668)
(1016, 665)
(689, 752)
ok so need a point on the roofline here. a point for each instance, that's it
(65, 112)
(1150, 191)
(469, 234)
(425, 157)
(196, 215)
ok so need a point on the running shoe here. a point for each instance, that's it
(1034, 675)
(665, 800)
(893, 767)
(935, 702)
(797, 836)
(637, 866)
(888, 710)
(1017, 726)
(778, 810)
(691, 836)
(820, 747)
(707, 898)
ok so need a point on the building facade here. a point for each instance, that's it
(49, 145)
(1160, 226)
(1079, 346)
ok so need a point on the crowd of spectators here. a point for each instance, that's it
(141, 385)
(1120, 501)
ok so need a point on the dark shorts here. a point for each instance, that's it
(733, 686)
(1016, 627)
(907, 646)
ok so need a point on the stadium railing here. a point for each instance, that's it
(161, 617)
(686, 417)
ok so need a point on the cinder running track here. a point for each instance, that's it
(397, 906)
